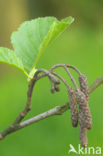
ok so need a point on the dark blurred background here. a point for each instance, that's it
(80, 45)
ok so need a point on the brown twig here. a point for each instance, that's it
(65, 67)
(96, 84)
(70, 66)
(65, 83)
(58, 110)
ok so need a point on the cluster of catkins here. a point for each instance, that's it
(78, 101)
(83, 116)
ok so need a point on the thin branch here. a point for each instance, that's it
(28, 105)
(57, 75)
(96, 84)
(58, 110)
(49, 74)
(70, 66)
(65, 83)
(52, 87)
(65, 67)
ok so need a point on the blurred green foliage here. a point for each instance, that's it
(85, 12)
(82, 46)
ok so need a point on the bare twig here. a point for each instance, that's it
(52, 87)
(28, 106)
(65, 83)
(47, 73)
(70, 66)
(96, 84)
(65, 67)
(58, 110)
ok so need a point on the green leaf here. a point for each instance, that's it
(9, 57)
(33, 37)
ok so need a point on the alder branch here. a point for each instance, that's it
(58, 110)
(96, 84)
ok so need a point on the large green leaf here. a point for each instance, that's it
(34, 36)
(9, 57)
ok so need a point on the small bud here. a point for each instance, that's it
(57, 88)
(73, 107)
(57, 82)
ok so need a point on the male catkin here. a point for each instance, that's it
(83, 136)
(84, 85)
(86, 110)
(73, 107)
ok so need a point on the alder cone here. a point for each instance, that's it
(73, 107)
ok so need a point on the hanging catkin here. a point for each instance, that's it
(84, 111)
(85, 108)
(73, 107)
(84, 85)
(82, 125)
(83, 136)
